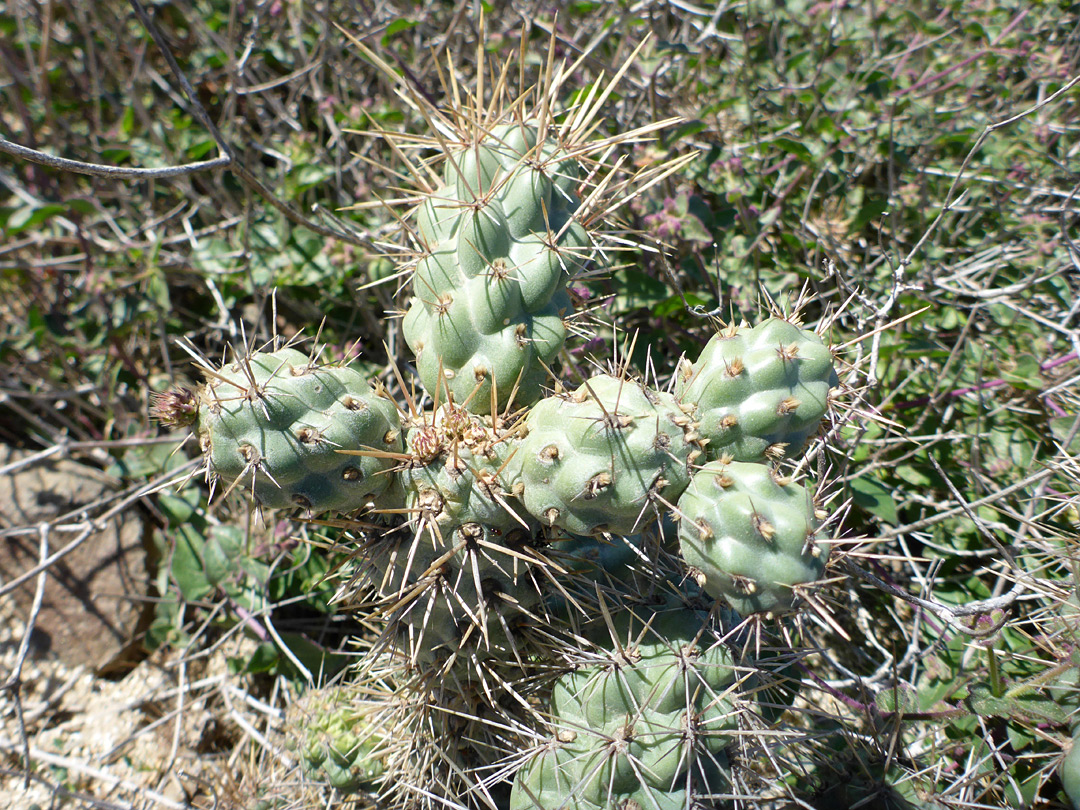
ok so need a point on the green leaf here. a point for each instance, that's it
(872, 208)
(638, 290)
(875, 498)
(795, 148)
(1027, 374)
(30, 217)
(199, 150)
(84, 207)
(178, 508)
(127, 121)
(187, 565)
(396, 27)
(1061, 427)
(1032, 706)
(900, 698)
(674, 304)
(264, 659)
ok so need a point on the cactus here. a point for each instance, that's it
(452, 593)
(645, 724)
(295, 433)
(749, 534)
(456, 472)
(606, 458)
(1069, 771)
(489, 299)
(759, 393)
(490, 528)
(334, 740)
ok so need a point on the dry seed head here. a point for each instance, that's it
(308, 435)
(722, 480)
(455, 420)
(176, 408)
(521, 335)
(743, 584)
(425, 444)
(430, 502)
(685, 370)
(776, 451)
(353, 404)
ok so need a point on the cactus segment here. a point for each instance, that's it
(294, 433)
(644, 726)
(488, 296)
(605, 458)
(760, 393)
(749, 535)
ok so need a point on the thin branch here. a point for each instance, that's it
(948, 613)
(115, 172)
(14, 683)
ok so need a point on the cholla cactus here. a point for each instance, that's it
(513, 549)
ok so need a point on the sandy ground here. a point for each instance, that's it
(170, 734)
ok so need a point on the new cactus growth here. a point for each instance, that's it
(759, 393)
(457, 472)
(749, 534)
(334, 740)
